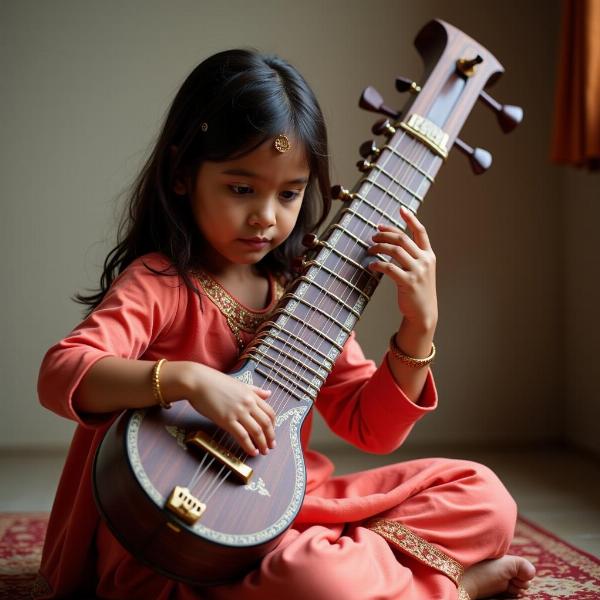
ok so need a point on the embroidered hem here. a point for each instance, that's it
(239, 318)
(408, 542)
(463, 594)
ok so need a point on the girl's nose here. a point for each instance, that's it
(264, 215)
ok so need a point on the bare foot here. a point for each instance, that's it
(509, 574)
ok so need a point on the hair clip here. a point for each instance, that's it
(282, 143)
(204, 127)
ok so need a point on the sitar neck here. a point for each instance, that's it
(297, 348)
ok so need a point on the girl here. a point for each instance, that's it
(239, 174)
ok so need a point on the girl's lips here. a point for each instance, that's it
(255, 243)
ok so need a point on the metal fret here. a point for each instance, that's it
(376, 208)
(339, 278)
(264, 342)
(296, 337)
(313, 307)
(361, 217)
(275, 325)
(351, 261)
(360, 242)
(396, 181)
(350, 234)
(312, 327)
(387, 192)
(410, 162)
(282, 364)
(331, 294)
(292, 381)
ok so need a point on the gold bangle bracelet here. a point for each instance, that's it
(156, 384)
(411, 361)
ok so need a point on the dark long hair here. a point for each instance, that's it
(245, 98)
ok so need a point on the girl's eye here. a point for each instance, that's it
(289, 195)
(240, 189)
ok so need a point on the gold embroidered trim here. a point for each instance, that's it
(463, 594)
(239, 318)
(405, 540)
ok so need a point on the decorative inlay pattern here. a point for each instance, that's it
(295, 416)
(245, 377)
(178, 433)
(258, 486)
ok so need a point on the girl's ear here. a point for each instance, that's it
(179, 188)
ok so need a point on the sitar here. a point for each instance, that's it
(179, 493)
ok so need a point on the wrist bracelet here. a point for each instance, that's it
(410, 360)
(156, 384)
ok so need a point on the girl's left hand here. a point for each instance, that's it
(412, 269)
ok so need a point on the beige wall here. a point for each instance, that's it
(85, 86)
(581, 192)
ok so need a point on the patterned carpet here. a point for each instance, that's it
(21, 539)
(562, 570)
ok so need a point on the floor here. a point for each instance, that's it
(556, 488)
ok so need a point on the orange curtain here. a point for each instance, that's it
(576, 134)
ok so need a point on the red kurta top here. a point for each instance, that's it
(148, 316)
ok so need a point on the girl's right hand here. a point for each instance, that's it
(238, 408)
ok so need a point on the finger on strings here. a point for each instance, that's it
(417, 229)
(256, 432)
(399, 238)
(396, 273)
(397, 253)
(261, 391)
(268, 409)
(242, 437)
(264, 420)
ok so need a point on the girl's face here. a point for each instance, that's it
(247, 206)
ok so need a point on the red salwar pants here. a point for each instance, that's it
(401, 532)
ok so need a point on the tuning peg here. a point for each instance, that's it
(383, 127)
(369, 148)
(372, 100)
(340, 193)
(509, 116)
(299, 264)
(403, 84)
(466, 66)
(364, 165)
(480, 159)
(311, 241)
